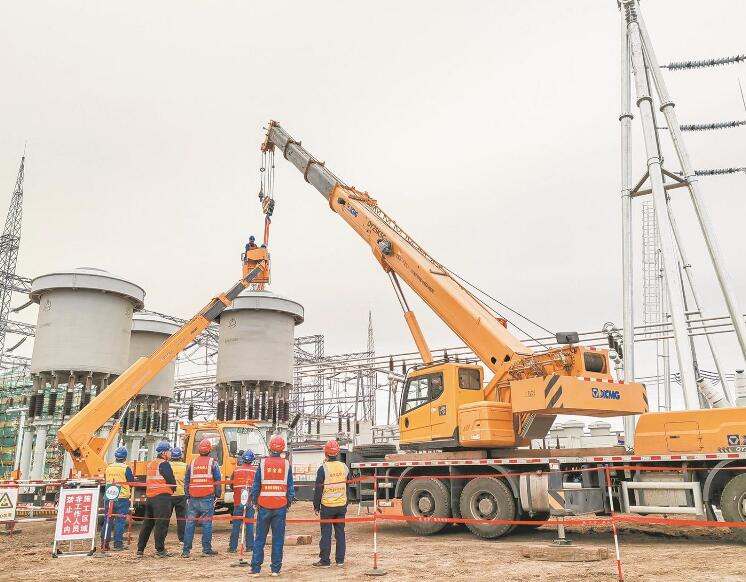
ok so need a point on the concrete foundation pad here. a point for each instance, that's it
(554, 553)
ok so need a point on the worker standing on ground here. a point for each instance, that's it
(159, 486)
(117, 473)
(202, 486)
(242, 479)
(178, 500)
(330, 503)
(273, 494)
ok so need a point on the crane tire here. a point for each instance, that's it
(426, 498)
(732, 504)
(488, 498)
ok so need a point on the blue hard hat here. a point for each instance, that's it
(248, 457)
(121, 453)
(251, 238)
(162, 447)
(176, 453)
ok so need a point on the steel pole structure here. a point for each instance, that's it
(687, 267)
(708, 231)
(668, 246)
(628, 305)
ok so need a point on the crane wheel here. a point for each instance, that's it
(426, 498)
(733, 504)
(488, 498)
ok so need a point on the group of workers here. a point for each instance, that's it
(265, 491)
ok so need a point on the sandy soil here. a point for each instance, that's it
(648, 553)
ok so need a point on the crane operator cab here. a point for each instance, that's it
(448, 405)
(431, 400)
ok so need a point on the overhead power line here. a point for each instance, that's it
(701, 64)
(712, 126)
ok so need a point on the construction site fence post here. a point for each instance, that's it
(620, 574)
(107, 523)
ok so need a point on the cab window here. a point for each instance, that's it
(468, 379)
(422, 390)
(417, 393)
(214, 438)
(436, 386)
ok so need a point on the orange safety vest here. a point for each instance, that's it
(155, 484)
(273, 493)
(201, 481)
(243, 478)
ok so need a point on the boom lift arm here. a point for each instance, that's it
(401, 257)
(569, 380)
(77, 435)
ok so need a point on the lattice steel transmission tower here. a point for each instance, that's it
(9, 244)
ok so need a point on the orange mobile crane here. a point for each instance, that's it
(479, 427)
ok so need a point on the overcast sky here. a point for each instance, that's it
(488, 129)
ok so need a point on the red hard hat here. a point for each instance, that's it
(277, 444)
(331, 448)
(205, 446)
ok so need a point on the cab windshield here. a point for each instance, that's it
(245, 438)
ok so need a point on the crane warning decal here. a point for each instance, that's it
(736, 444)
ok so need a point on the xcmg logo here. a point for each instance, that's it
(605, 394)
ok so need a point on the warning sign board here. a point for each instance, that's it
(8, 503)
(76, 514)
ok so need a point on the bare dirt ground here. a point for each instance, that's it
(648, 553)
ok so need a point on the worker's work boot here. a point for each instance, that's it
(185, 554)
(163, 554)
(209, 553)
(321, 564)
(140, 554)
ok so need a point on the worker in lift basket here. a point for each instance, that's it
(252, 243)
(202, 486)
(117, 473)
(159, 486)
(242, 479)
(330, 503)
(178, 499)
(272, 493)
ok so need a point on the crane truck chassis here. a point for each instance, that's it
(536, 484)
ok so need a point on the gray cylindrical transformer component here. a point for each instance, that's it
(84, 321)
(148, 333)
(256, 338)
(27, 446)
(40, 452)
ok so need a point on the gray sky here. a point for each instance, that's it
(488, 129)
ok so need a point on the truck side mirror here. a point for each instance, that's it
(233, 448)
